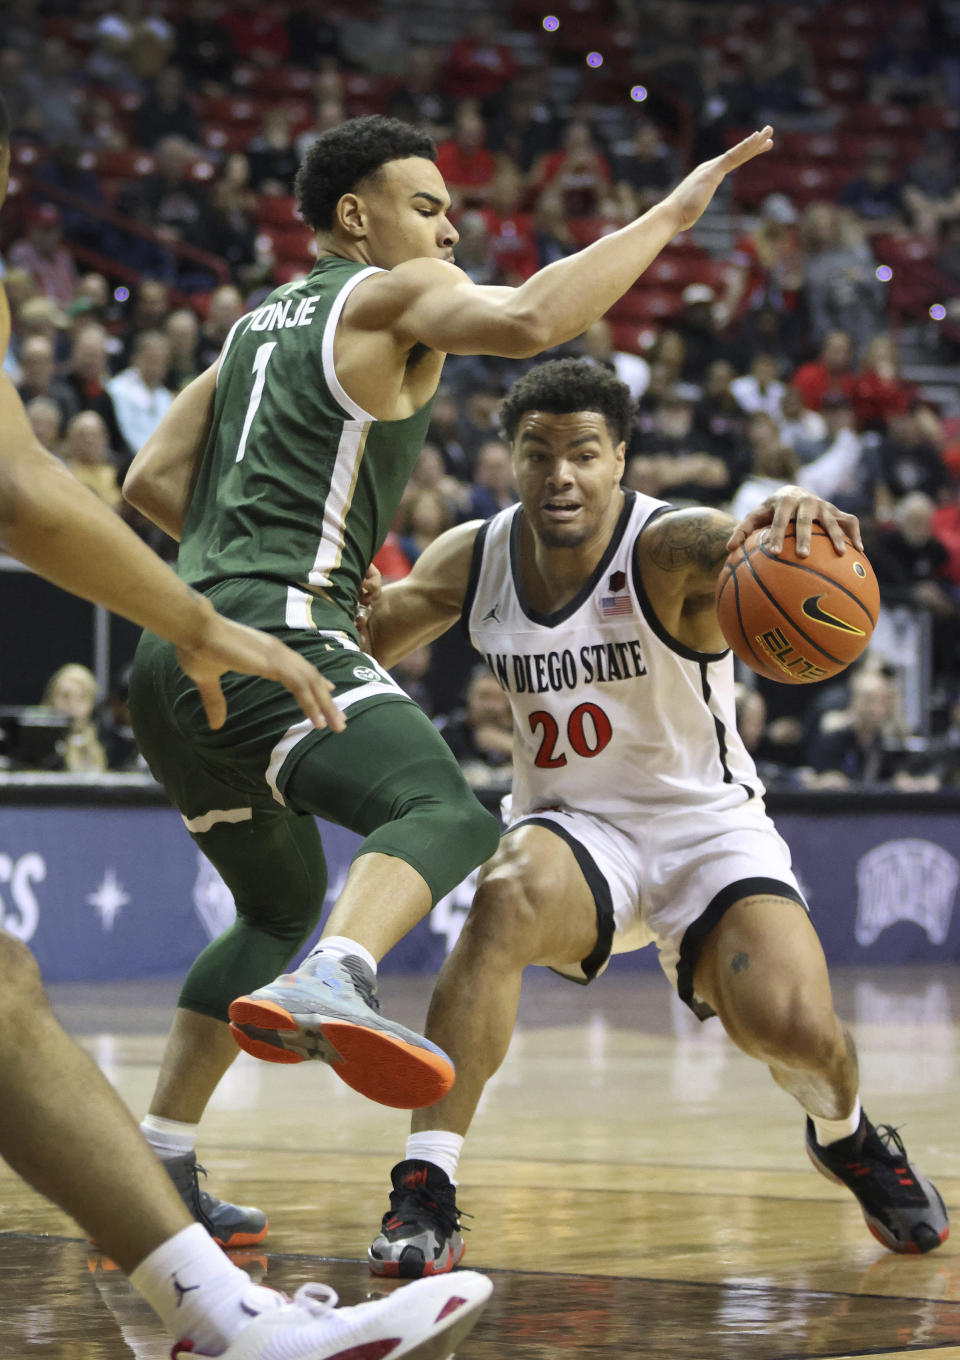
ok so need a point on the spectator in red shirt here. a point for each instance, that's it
(766, 267)
(829, 373)
(478, 66)
(466, 165)
(257, 32)
(879, 391)
(391, 561)
(511, 231)
(44, 256)
(577, 170)
(945, 524)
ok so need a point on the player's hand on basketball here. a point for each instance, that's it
(230, 646)
(793, 505)
(693, 194)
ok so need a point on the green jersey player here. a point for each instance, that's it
(280, 469)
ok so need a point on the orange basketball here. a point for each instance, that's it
(797, 619)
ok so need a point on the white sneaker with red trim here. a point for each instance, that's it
(425, 1320)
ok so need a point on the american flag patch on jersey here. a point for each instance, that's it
(612, 605)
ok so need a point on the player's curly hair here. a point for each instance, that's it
(564, 385)
(4, 122)
(340, 159)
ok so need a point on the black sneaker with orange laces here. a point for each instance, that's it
(901, 1207)
(420, 1234)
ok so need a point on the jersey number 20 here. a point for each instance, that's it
(548, 758)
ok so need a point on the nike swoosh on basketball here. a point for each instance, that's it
(812, 609)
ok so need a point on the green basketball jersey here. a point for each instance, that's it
(298, 485)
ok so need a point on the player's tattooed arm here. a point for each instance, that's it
(693, 542)
(680, 556)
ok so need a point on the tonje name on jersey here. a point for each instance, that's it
(538, 672)
(286, 314)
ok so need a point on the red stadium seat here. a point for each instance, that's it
(902, 250)
(880, 119)
(808, 146)
(293, 245)
(643, 305)
(121, 101)
(843, 83)
(854, 147)
(684, 244)
(631, 338)
(273, 83)
(128, 162)
(223, 141)
(586, 230)
(231, 111)
(364, 94)
(276, 210)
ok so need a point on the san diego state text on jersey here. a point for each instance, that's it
(542, 672)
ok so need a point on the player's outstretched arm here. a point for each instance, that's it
(793, 505)
(435, 304)
(66, 534)
(159, 481)
(410, 613)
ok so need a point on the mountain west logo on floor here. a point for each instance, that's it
(906, 880)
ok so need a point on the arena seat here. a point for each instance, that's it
(121, 101)
(127, 162)
(586, 230)
(229, 110)
(273, 83)
(643, 305)
(676, 271)
(902, 250)
(631, 338)
(224, 141)
(276, 210)
(294, 245)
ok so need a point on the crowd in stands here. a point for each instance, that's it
(155, 145)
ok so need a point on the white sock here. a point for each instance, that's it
(169, 1138)
(339, 946)
(439, 1147)
(832, 1130)
(198, 1293)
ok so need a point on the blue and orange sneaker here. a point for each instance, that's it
(420, 1233)
(901, 1207)
(328, 1010)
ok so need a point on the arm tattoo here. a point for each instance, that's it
(696, 540)
(740, 962)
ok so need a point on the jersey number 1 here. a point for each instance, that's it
(260, 361)
(576, 735)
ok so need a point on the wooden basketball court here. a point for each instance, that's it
(638, 1187)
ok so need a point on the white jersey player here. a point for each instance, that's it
(636, 813)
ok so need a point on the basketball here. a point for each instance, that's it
(797, 619)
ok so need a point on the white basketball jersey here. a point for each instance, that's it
(611, 716)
